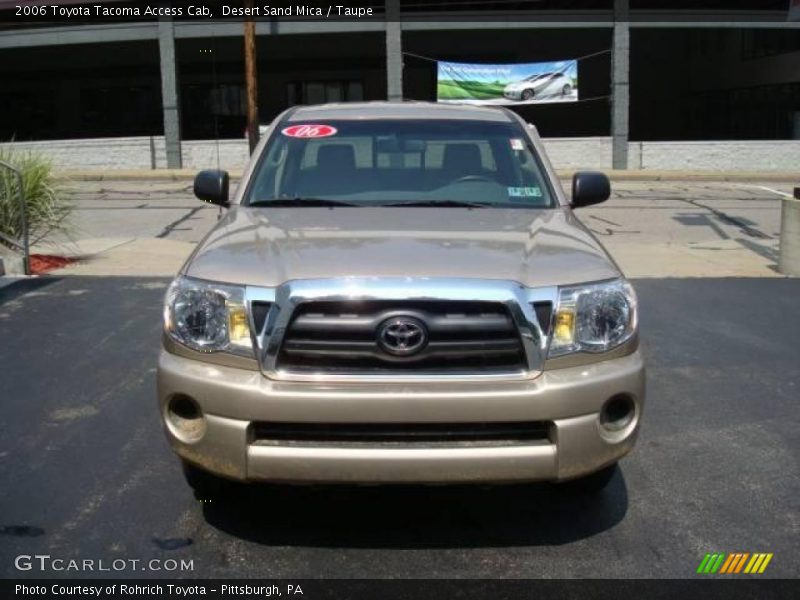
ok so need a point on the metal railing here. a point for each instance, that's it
(22, 244)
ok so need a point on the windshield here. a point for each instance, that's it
(395, 161)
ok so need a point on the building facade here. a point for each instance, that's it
(650, 71)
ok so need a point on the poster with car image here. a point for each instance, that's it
(794, 10)
(513, 83)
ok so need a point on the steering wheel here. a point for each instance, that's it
(468, 178)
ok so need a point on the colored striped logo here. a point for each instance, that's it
(736, 562)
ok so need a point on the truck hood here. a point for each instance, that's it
(269, 246)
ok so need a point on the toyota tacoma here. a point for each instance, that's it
(400, 293)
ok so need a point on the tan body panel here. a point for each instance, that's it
(571, 398)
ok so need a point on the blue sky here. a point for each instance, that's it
(506, 73)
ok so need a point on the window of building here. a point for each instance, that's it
(228, 100)
(27, 115)
(760, 43)
(213, 111)
(119, 110)
(761, 112)
(320, 92)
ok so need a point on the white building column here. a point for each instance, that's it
(620, 85)
(170, 98)
(394, 51)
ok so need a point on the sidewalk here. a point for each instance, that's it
(120, 257)
(652, 228)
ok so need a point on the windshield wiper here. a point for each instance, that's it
(447, 203)
(300, 201)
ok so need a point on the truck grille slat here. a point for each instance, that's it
(329, 336)
(382, 434)
(358, 349)
(344, 324)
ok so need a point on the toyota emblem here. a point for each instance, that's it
(402, 336)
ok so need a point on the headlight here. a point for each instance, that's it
(207, 317)
(593, 318)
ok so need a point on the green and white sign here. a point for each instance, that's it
(515, 83)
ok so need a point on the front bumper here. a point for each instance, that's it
(569, 399)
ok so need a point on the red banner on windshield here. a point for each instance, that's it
(309, 131)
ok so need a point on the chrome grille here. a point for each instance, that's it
(342, 337)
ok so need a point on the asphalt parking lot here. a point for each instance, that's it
(87, 473)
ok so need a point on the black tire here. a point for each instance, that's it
(528, 94)
(205, 485)
(566, 90)
(593, 483)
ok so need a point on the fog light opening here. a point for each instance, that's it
(186, 418)
(617, 413)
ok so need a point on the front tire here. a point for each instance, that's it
(528, 94)
(591, 484)
(205, 485)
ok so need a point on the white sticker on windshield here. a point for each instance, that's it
(517, 144)
(524, 192)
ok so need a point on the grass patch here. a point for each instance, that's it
(46, 205)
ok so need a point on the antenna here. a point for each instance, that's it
(215, 86)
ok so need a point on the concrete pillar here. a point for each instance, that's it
(169, 92)
(620, 88)
(394, 51)
(789, 257)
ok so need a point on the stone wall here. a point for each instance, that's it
(565, 153)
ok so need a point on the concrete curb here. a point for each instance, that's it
(11, 264)
(645, 175)
(131, 175)
(618, 175)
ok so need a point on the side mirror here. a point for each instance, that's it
(589, 187)
(212, 186)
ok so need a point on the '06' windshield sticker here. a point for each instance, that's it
(309, 131)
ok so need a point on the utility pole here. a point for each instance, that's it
(250, 77)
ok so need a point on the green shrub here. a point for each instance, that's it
(47, 206)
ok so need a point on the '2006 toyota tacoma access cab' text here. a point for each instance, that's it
(400, 293)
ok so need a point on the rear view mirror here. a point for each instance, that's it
(589, 187)
(212, 186)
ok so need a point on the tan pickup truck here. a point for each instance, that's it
(400, 293)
